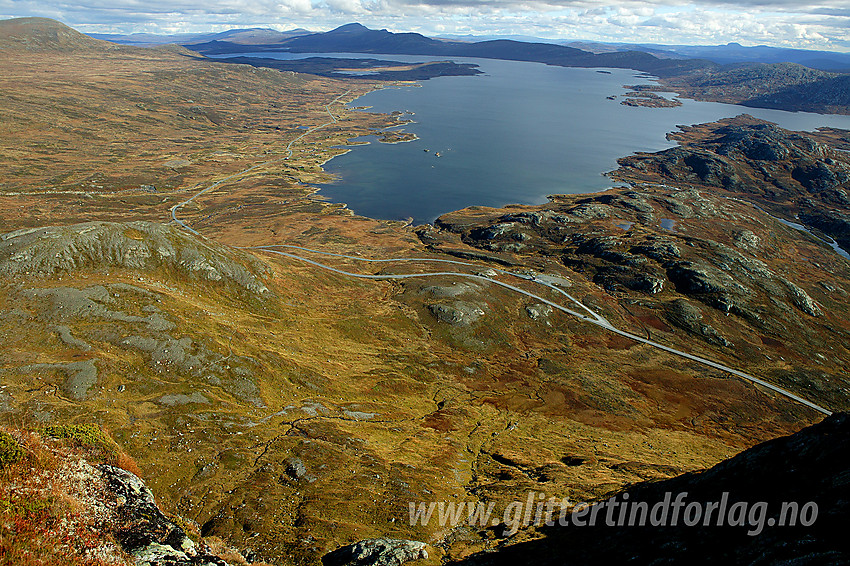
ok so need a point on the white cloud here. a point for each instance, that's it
(775, 22)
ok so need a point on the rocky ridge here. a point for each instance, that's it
(135, 245)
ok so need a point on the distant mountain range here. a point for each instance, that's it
(721, 54)
(731, 53)
(786, 86)
(251, 36)
(356, 38)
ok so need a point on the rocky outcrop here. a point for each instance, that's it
(802, 300)
(143, 530)
(539, 311)
(789, 173)
(132, 245)
(377, 552)
(686, 316)
(458, 313)
(139, 525)
(118, 505)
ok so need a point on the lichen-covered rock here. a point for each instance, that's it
(139, 522)
(747, 240)
(686, 316)
(538, 311)
(658, 250)
(692, 278)
(590, 211)
(296, 471)
(141, 528)
(459, 313)
(377, 552)
(802, 300)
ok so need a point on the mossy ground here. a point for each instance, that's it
(40, 522)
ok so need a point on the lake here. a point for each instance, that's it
(516, 134)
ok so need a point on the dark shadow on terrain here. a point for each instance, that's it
(810, 466)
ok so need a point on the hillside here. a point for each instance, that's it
(793, 176)
(37, 34)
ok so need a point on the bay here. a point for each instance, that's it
(517, 133)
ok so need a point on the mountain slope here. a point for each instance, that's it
(360, 39)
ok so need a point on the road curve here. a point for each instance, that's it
(437, 260)
(594, 319)
(288, 151)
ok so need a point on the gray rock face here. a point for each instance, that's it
(590, 211)
(686, 316)
(505, 229)
(377, 552)
(747, 240)
(459, 313)
(134, 245)
(693, 278)
(538, 311)
(296, 470)
(142, 530)
(139, 520)
(659, 251)
(712, 170)
(802, 300)
(650, 283)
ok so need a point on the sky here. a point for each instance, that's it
(818, 24)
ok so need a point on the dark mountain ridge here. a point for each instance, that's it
(356, 38)
(809, 467)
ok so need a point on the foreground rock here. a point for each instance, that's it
(377, 552)
(142, 529)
